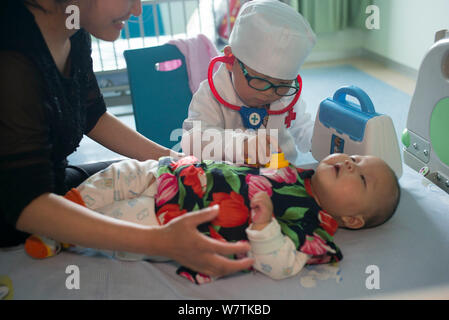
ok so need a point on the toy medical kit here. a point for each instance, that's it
(342, 126)
(252, 117)
(425, 139)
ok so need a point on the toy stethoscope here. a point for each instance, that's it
(252, 117)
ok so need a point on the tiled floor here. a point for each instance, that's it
(90, 151)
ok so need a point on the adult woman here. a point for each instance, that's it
(49, 98)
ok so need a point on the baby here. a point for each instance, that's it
(289, 215)
(257, 88)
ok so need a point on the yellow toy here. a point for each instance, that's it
(6, 288)
(277, 161)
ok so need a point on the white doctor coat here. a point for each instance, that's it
(205, 112)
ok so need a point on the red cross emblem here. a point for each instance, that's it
(288, 119)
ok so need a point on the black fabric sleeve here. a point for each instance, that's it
(25, 151)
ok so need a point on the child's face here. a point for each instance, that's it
(351, 186)
(250, 96)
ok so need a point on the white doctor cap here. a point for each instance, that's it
(272, 38)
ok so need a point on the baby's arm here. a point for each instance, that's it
(275, 254)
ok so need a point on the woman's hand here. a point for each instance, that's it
(261, 210)
(182, 242)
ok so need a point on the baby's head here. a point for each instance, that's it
(358, 191)
(270, 41)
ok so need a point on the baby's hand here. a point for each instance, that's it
(261, 210)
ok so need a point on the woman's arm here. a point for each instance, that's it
(116, 136)
(50, 215)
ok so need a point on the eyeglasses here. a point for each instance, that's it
(261, 84)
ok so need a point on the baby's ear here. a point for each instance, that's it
(353, 222)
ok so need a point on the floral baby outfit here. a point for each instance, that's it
(301, 233)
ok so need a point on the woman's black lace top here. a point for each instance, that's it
(43, 115)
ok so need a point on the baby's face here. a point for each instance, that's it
(351, 185)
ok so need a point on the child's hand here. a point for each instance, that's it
(176, 155)
(261, 210)
(257, 150)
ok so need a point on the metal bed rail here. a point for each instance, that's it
(160, 22)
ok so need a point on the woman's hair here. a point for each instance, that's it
(34, 3)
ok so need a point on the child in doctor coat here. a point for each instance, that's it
(257, 87)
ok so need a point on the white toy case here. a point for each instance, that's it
(342, 126)
(426, 138)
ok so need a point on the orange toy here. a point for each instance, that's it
(39, 247)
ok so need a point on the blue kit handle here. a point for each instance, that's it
(364, 100)
(345, 116)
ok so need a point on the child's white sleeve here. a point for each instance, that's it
(302, 128)
(204, 129)
(275, 254)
